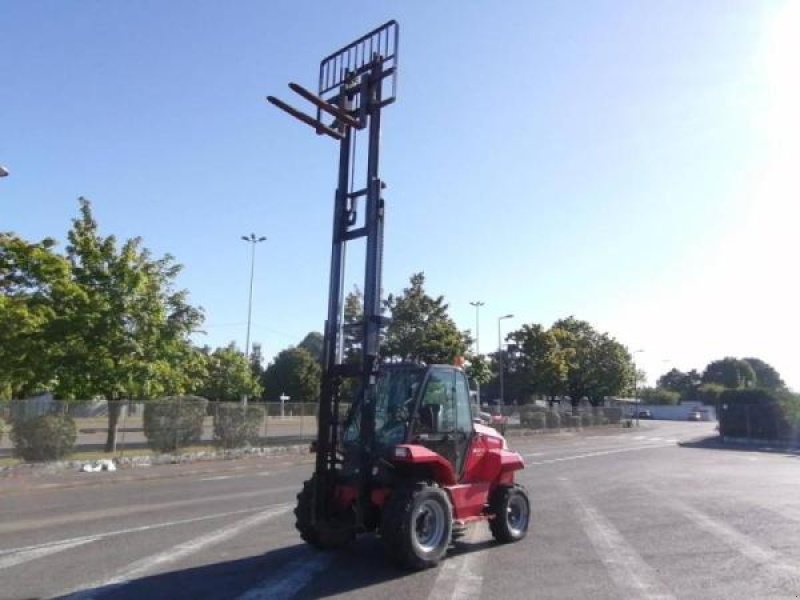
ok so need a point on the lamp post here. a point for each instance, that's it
(477, 304)
(635, 377)
(500, 355)
(252, 240)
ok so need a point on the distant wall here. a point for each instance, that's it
(678, 412)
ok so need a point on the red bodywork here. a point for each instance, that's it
(488, 463)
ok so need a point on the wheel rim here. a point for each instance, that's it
(518, 514)
(428, 525)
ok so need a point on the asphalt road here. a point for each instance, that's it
(620, 514)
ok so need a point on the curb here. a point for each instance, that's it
(132, 462)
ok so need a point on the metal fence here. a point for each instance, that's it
(169, 425)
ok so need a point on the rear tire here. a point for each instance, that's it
(417, 525)
(512, 512)
(322, 535)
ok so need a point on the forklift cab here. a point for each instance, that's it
(414, 404)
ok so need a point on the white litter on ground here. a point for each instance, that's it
(98, 465)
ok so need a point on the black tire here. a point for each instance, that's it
(416, 525)
(511, 510)
(324, 536)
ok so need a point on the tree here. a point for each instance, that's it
(766, 375)
(313, 344)
(293, 372)
(730, 372)
(598, 365)
(229, 376)
(659, 395)
(352, 335)
(36, 291)
(686, 384)
(420, 328)
(256, 362)
(478, 370)
(543, 363)
(127, 333)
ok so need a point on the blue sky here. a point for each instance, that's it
(628, 163)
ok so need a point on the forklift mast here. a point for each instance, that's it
(355, 83)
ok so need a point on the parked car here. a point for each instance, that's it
(642, 414)
(696, 415)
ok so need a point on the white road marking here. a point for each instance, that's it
(20, 558)
(98, 536)
(626, 568)
(124, 511)
(460, 577)
(219, 477)
(291, 578)
(599, 453)
(176, 553)
(769, 560)
(639, 437)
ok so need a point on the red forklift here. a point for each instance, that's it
(407, 460)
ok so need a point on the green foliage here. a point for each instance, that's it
(420, 328)
(294, 372)
(36, 295)
(613, 414)
(536, 420)
(552, 419)
(45, 437)
(570, 421)
(2, 430)
(659, 396)
(586, 420)
(236, 426)
(685, 384)
(599, 420)
(598, 365)
(730, 372)
(766, 376)
(313, 343)
(478, 369)
(229, 376)
(542, 363)
(709, 393)
(759, 413)
(174, 422)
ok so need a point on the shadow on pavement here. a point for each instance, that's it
(355, 567)
(716, 443)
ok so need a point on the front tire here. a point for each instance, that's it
(322, 535)
(417, 525)
(512, 511)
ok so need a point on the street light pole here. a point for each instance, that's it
(500, 356)
(635, 378)
(252, 240)
(477, 304)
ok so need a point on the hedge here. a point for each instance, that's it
(2, 430)
(759, 414)
(174, 422)
(552, 420)
(613, 414)
(536, 420)
(236, 426)
(44, 437)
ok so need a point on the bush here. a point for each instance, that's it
(174, 422)
(536, 420)
(600, 420)
(613, 415)
(586, 420)
(552, 420)
(659, 396)
(2, 429)
(45, 437)
(758, 413)
(236, 426)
